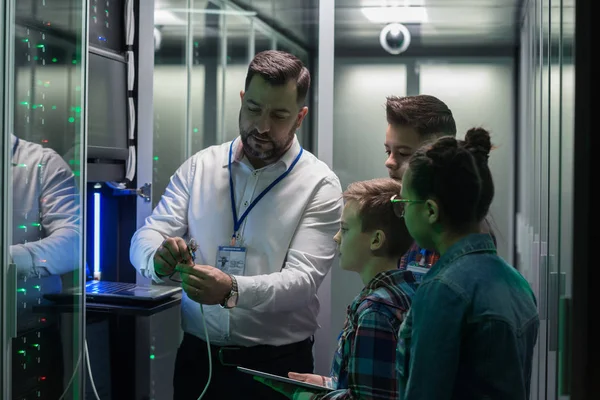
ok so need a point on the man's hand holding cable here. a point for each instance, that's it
(204, 284)
(171, 252)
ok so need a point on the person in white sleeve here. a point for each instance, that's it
(263, 212)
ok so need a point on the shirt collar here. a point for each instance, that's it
(238, 153)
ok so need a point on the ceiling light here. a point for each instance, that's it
(405, 15)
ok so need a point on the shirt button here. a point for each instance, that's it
(254, 173)
(246, 204)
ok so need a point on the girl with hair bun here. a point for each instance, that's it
(473, 323)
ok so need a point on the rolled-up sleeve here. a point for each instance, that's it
(168, 219)
(58, 252)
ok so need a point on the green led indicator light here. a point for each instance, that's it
(35, 224)
(22, 165)
(22, 226)
(38, 287)
(22, 290)
(152, 356)
(54, 107)
(35, 345)
(55, 59)
(71, 119)
(24, 103)
(155, 158)
(25, 40)
(40, 46)
(74, 61)
(195, 130)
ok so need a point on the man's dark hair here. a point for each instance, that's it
(277, 68)
(428, 115)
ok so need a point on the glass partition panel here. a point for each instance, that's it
(472, 80)
(566, 124)
(262, 41)
(46, 67)
(361, 86)
(237, 28)
(202, 52)
(170, 95)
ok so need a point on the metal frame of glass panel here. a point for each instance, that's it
(5, 360)
(8, 280)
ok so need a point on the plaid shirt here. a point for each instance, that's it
(423, 257)
(364, 365)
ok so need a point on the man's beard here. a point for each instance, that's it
(270, 150)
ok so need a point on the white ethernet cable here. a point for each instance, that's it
(192, 248)
(89, 368)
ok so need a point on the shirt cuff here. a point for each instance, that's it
(149, 270)
(328, 381)
(22, 258)
(247, 291)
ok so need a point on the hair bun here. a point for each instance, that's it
(478, 142)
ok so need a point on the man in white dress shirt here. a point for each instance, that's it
(261, 309)
(45, 251)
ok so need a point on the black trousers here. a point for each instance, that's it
(191, 369)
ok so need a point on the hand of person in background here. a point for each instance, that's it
(171, 252)
(308, 378)
(286, 389)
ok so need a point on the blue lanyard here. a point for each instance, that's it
(237, 223)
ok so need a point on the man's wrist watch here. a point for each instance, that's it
(230, 300)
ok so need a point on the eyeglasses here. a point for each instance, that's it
(405, 202)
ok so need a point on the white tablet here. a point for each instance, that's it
(285, 380)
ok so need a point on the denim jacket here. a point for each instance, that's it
(471, 329)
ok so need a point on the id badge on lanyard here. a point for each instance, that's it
(231, 258)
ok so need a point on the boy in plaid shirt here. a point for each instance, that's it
(371, 239)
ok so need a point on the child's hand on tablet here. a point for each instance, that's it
(288, 390)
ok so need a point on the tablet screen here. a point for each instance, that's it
(286, 380)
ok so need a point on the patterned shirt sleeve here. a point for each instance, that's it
(372, 364)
